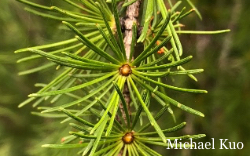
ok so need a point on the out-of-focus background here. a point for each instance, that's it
(225, 58)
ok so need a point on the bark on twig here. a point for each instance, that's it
(132, 14)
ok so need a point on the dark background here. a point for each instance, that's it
(225, 58)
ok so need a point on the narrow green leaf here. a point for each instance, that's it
(152, 43)
(69, 82)
(164, 103)
(133, 42)
(169, 130)
(134, 150)
(145, 97)
(147, 16)
(203, 32)
(168, 65)
(144, 31)
(73, 88)
(80, 134)
(107, 148)
(48, 45)
(90, 61)
(154, 153)
(137, 106)
(169, 86)
(115, 151)
(80, 128)
(113, 101)
(162, 8)
(86, 75)
(76, 16)
(125, 150)
(98, 89)
(174, 46)
(98, 133)
(140, 149)
(108, 26)
(179, 145)
(176, 38)
(90, 6)
(178, 15)
(34, 4)
(186, 72)
(110, 115)
(155, 49)
(65, 145)
(129, 150)
(128, 3)
(175, 6)
(77, 118)
(53, 82)
(26, 102)
(121, 82)
(165, 15)
(118, 28)
(184, 137)
(114, 49)
(196, 10)
(123, 103)
(105, 7)
(82, 8)
(74, 63)
(166, 55)
(49, 115)
(156, 17)
(32, 57)
(77, 64)
(86, 149)
(55, 17)
(152, 74)
(33, 70)
(172, 101)
(156, 117)
(151, 118)
(189, 74)
(184, 15)
(91, 45)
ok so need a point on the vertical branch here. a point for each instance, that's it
(132, 14)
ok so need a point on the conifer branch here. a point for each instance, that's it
(132, 14)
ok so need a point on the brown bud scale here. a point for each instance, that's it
(128, 138)
(125, 70)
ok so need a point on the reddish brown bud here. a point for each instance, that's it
(128, 138)
(125, 70)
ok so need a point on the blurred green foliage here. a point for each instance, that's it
(225, 59)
